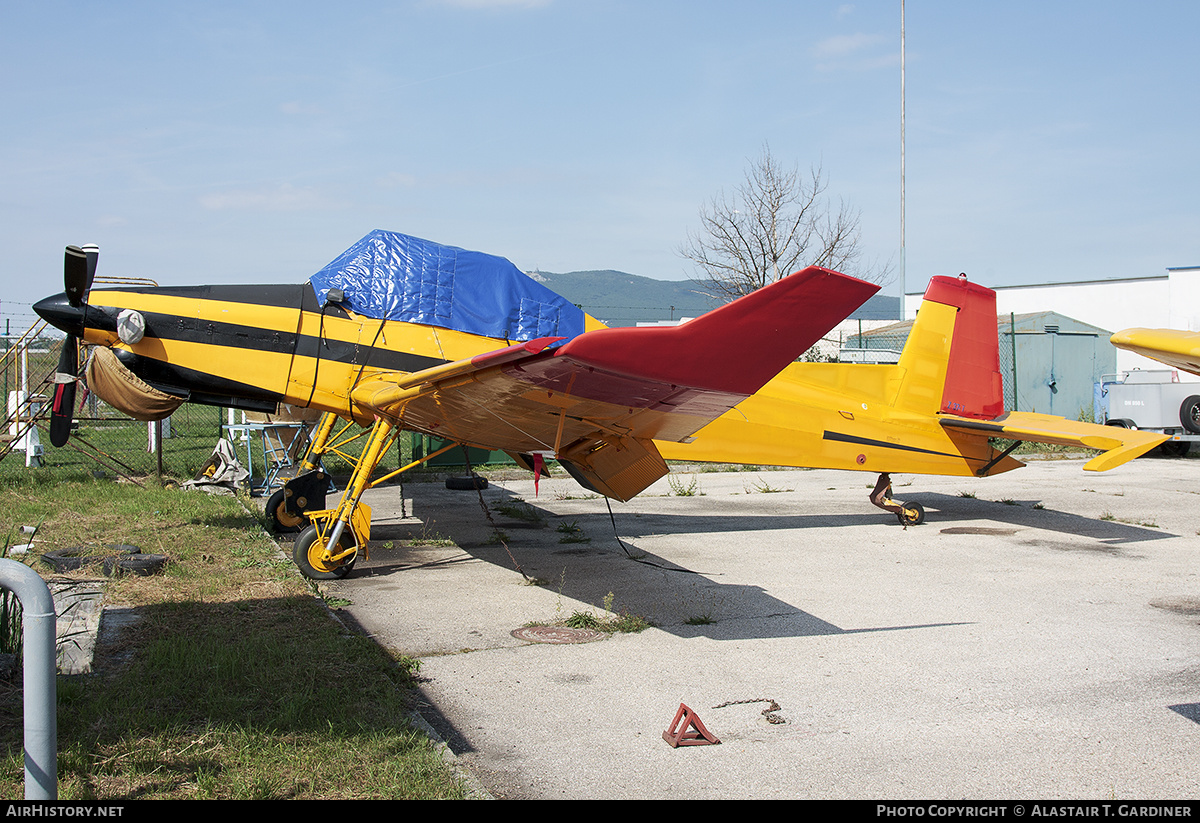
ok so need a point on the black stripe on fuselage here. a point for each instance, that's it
(301, 298)
(197, 386)
(864, 441)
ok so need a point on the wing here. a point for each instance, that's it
(1117, 444)
(597, 401)
(1180, 349)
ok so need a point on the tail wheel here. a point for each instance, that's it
(309, 554)
(912, 514)
(283, 521)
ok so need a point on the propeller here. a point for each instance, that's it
(79, 269)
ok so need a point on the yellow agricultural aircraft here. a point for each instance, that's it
(399, 333)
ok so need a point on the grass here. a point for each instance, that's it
(234, 683)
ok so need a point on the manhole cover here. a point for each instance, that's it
(556, 634)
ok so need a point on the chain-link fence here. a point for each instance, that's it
(107, 442)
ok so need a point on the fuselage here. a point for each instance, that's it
(254, 347)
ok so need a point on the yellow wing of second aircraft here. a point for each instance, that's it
(1180, 349)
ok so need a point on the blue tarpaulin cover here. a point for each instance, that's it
(392, 276)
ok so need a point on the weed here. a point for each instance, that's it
(570, 496)
(681, 489)
(1008, 501)
(609, 622)
(1039, 506)
(427, 537)
(968, 495)
(1149, 524)
(571, 533)
(761, 486)
(699, 620)
(518, 509)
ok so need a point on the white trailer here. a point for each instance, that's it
(1154, 400)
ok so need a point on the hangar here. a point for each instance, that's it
(1170, 300)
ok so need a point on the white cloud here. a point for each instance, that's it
(278, 198)
(843, 45)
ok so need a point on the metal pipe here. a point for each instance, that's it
(41, 718)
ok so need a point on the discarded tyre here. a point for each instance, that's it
(462, 484)
(142, 565)
(69, 560)
(75, 558)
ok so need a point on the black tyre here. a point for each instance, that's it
(463, 484)
(308, 549)
(69, 560)
(1189, 414)
(1121, 423)
(75, 558)
(282, 521)
(913, 514)
(143, 565)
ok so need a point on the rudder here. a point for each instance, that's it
(951, 362)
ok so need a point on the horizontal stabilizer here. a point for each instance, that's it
(1117, 444)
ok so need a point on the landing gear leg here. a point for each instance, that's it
(328, 548)
(909, 514)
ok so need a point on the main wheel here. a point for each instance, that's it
(283, 521)
(912, 514)
(1189, 414)
(308, 552)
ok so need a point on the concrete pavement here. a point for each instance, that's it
(1037, 637)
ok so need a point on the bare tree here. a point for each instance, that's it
(776, 222)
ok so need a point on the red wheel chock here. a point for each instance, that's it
(679, 734)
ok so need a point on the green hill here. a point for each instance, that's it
(621, 299)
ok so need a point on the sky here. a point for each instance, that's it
(254, 141)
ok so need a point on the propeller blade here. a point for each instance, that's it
(62, 409)
(75, 275)
(92, 252)
(62, 414)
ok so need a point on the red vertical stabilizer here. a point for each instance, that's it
(974, 387)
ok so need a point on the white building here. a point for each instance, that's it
(1171, 300)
